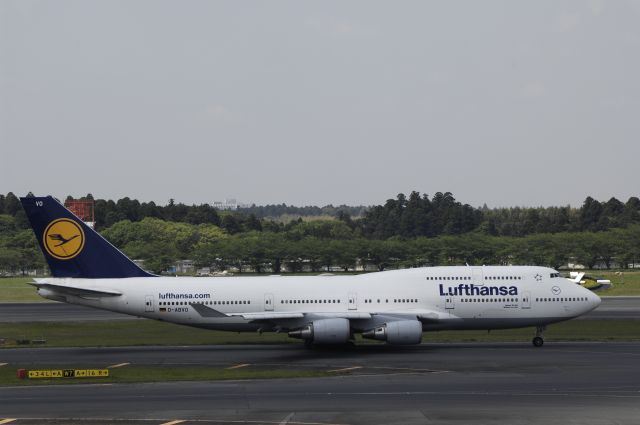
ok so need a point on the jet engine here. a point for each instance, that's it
(324, 331)
(400, 332)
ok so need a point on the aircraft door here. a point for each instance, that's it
(477, 276)
(449, 303)
(526, 299)
(353, 301)
(268, 302)
(148, 304)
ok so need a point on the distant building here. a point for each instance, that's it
(183, 267)
(140, 263)
(83, 209)
(228, 204)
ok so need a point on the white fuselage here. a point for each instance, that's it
(490, 297)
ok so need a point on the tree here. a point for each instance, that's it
(160, 243)
(202, 214)
(230, 224)
(586, 250)
(590, 214)
(344, 253)
(12, 204)
(29, 255)
(252, 223)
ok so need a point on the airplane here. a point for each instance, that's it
(395, 306)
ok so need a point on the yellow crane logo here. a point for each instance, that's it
(63, 239)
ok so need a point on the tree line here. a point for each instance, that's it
(323, 246)
(275, 211)
(404, 232)
(404, 216)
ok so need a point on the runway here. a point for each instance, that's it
(611, 308)
(586, 383)
(616, 308)
(54, 312)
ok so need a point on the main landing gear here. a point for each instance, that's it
(538, 340)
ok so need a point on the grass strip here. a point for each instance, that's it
(130, 374)
(148, 332)
(17, 289)
(625, 283)
(126, 333)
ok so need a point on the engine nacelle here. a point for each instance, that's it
(325, 331)
(400, 332)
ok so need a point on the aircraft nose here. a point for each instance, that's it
(595, 300)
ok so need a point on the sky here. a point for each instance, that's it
(508, 103)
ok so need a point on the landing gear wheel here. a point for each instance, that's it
(538, 339)
(308, 344)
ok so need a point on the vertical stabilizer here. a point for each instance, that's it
(73, 249)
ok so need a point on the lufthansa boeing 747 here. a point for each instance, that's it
(394, 306)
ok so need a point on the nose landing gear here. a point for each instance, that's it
(538, 340)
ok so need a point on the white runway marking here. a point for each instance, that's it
(286, 420)
(345, 369)
(238, 366)
(113, 366)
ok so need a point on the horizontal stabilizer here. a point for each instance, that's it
(77, 291)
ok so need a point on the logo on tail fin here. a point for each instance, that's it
(63, 239)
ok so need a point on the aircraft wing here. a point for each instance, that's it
(270, 315)
(205, 311)
(78, 291)
(425, 316)
(435, 317)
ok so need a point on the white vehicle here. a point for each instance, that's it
(393, 306)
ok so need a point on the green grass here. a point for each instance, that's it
(17, 289)
(127, 332)
(8, 375)
(624, 283)
(148, 332)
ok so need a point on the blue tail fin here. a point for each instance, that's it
(72, 248)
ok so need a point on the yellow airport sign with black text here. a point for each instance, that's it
(68, 373)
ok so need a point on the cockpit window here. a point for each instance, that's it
(555, 275)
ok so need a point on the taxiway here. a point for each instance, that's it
(586, 383)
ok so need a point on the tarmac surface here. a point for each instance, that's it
(481, 383)
(611, 308)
